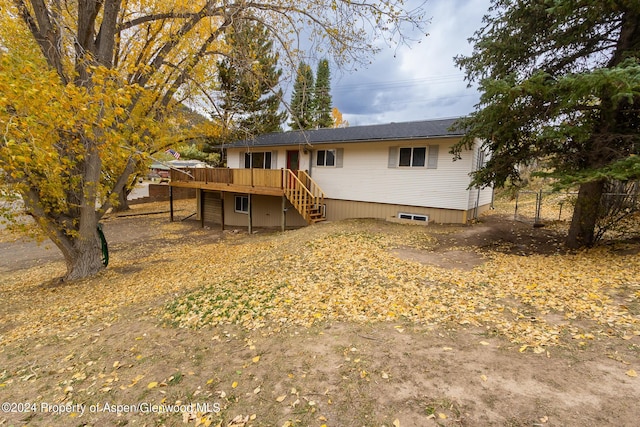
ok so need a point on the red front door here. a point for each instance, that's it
(293, 164)
(293, 160)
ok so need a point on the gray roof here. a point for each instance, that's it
(385, 132)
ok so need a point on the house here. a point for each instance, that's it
(396, 170)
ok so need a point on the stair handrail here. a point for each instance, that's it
(315, 189)
(308, 199)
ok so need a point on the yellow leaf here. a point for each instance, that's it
(483, 377)
(256, 359)
(234, 384)
(135, 380)
(152, 384)
(523, 348)
(632, 373)
(442, 416)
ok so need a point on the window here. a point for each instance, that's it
(242, 204)
(259, 160)
(326, 158)
(481, 159)
(414, 157)
(413, 217)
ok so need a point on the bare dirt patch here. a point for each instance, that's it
(104, 344)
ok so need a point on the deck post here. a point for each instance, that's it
(284, 213)
(170, 203)
(221, 211)
(249, 214)
(201, 207)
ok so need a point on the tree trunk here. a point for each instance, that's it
(585, 215)
(85, 259)
(123, 202)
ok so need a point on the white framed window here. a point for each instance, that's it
(242, 204)
(413, 217)
(326, 158)
(257, 160)
(414, 157)
(331, 158)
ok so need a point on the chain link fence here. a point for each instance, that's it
(544, 207)
(539, 207)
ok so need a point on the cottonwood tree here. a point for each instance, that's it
(85, 87)
(560, 82)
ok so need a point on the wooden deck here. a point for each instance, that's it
(302, 191)
(266, 182)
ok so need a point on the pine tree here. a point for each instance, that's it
(322, 96)
(566, 91)
(249, 80)
(302, 99)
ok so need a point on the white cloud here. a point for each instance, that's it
(417, 82)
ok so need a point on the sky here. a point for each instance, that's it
(419, 82)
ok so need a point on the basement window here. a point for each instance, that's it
(242, 204)
(413, 217)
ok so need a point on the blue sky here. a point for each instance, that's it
(418, 82)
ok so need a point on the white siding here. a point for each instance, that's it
(486, 194)
(367, 177)
(280, 155)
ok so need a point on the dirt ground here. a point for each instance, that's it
(124, 365)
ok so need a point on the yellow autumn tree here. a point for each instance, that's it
(86, 88)
(338, 121)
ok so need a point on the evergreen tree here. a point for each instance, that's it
(560, 81)
(322, 96)
(302, 99)
(249, 80)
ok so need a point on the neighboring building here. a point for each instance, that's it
(161, 169)
(396, 170)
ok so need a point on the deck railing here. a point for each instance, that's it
(271, 178)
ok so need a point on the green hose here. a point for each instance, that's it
(105, 248)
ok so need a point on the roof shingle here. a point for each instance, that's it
(385, 132)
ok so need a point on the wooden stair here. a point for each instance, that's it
(305, 195)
